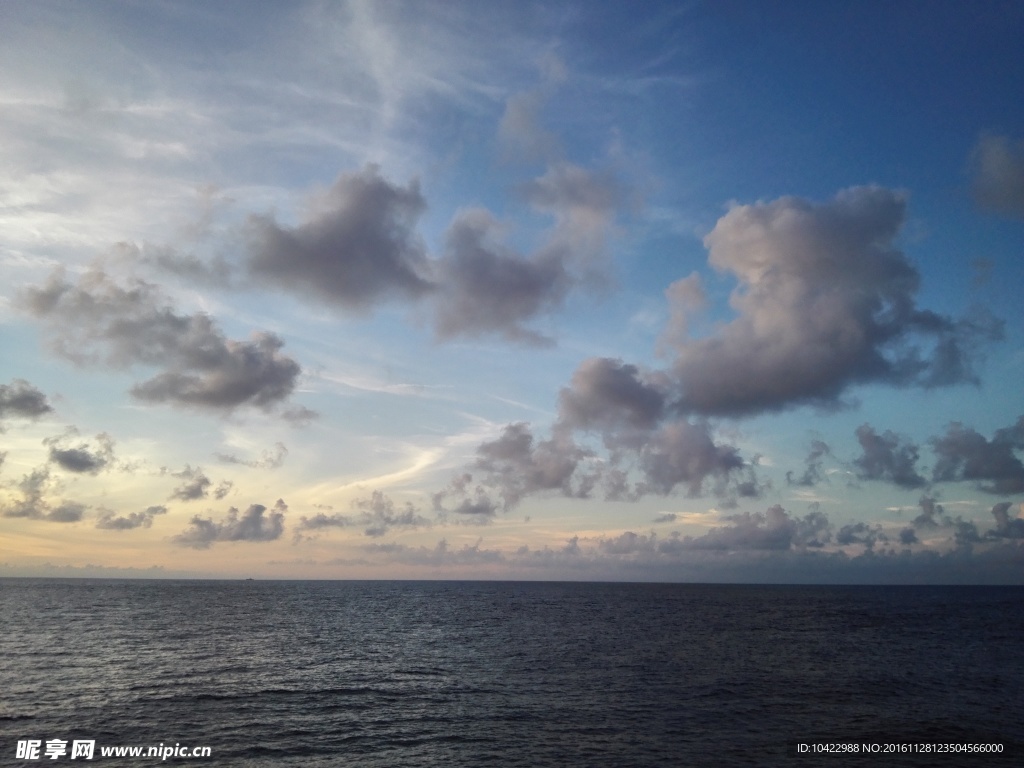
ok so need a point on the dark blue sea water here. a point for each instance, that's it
(509, 674)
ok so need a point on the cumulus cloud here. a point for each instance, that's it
(648, 449)
(824, 301)
(932, 513)
(81, 458)
(252, 525)
(611, 397)
(377, 514)
(812, 474)
(486, 287)
(473, 502)
(144, 519)
(356, 246)
(380, 514)
(34, 506)
(1007, 527)
(997, 164)
(195, 484)
(632, 412)
(518, 465)
(20, 399)
(99, 321)
(965, 455)
(887, 457)
(908, 536)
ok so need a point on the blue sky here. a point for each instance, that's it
(705, 291)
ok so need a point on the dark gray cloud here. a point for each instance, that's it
(861, 533)
(267, 460)
(824, 301)
(22, 400)
(485, 287)
(356, 246)
(887, 457)
(518, 465)
(965, 455)
(195, 484)
(610, 397)
(34, 506)
(997, 164)
(144, 519)
(812, 474)
(252, 525)
(81, 458)
(932, 513)
(681, 453)
(1007, 527)
(666, 517)
(97, 321)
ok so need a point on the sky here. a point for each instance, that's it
(697, 291)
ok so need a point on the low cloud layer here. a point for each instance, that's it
(255, 524)
(773, 545)
(97, 321)
(997, 164)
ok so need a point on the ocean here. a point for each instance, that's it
(392, 674)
